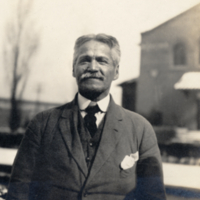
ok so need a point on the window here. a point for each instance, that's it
(179, 54)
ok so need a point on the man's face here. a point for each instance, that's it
(94, 69)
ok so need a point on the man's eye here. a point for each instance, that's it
(83, 61)
(102, 61)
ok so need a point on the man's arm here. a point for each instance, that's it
(25, 161)
(150, 184)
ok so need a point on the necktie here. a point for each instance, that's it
(90, 119)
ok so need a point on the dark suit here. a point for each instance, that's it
(50, 163)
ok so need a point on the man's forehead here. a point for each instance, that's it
(94, 48)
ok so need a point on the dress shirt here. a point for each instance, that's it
(83, 103)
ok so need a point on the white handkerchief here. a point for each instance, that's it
(129, 161)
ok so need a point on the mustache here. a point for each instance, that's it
(91, 75)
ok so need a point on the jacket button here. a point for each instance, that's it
(91, 144)
(87, 159)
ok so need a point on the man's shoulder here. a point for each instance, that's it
(131, 114)
(53, 112)
(134, 119)
(125, 113)
(48, 117)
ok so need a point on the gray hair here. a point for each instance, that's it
(106, 39)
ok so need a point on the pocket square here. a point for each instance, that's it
(129, 161)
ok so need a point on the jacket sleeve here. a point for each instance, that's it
(150, 184)
(25, 161)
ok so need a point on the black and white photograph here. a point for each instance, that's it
(99, 100)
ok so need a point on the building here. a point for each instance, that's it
(169, 52)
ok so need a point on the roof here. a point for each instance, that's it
(189, 81)
(168, 21)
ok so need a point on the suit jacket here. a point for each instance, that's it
(50, 164)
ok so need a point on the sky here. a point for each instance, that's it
(59, 23)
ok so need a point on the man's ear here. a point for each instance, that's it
(116, 75)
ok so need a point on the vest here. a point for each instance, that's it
(89, 144)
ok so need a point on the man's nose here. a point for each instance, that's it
(93, 65)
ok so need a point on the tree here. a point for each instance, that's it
(21, 44)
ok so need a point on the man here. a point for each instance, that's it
(89, 148)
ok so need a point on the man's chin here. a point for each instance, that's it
(90, 92)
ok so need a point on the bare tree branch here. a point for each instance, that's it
(21, 44)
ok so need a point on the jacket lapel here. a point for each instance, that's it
(110, 137)
(68, 127)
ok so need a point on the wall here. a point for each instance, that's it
(158, 74)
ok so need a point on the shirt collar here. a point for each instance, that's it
(84, 102)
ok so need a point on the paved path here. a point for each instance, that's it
(187, 176)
